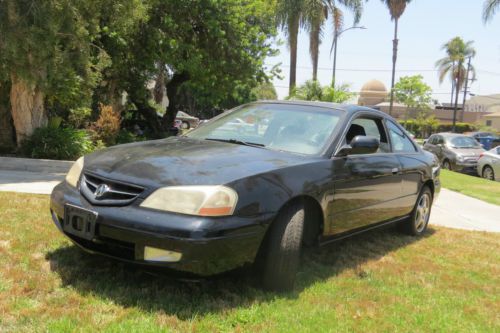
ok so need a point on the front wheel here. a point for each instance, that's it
(281, 249)
(419, 219)
(488, 173)
(446, 165)
(185, 125)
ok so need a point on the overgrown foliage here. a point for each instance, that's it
(414, 93)
(313, 91)
(57, 143)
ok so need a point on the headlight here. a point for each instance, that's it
(194, 200)
(460, 158)
(74, 173)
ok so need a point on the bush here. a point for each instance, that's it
(107, 127)
(57, 143)
(424, 127)
(78, 117)
(125, 136)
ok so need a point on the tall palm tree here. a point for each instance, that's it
(396, 9)
(490, 8)
(288, 17)
(316, 13)
(458, 52)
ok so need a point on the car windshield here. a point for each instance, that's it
(285, 127)
(463, 142)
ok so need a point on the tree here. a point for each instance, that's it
(313, 91)
(413, 93)
(490, 9)
(315, 14)
(288, 18)
(457, 53)
(264, 91)
(47, 48)
(396, 9)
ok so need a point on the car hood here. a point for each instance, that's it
(185, 161)
(468, 152)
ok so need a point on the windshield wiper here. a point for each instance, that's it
(238, 142)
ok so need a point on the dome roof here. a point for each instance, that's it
(374, 85)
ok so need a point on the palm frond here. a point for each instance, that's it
(489, 9)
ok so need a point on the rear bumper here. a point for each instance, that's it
(208, 245)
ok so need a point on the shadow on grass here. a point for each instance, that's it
(133, 286)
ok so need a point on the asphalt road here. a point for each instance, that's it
(451, 209)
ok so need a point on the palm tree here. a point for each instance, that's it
(288, 17)
(396, 8)
(490, 8)
(457, 53)
(315, 14)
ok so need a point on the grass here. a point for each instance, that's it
(476, 187)
(447, 281)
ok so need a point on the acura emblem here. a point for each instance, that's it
(101, 191)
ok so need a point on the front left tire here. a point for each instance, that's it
(281, 249)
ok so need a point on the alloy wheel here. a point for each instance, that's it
(422, 213)
(488, 173)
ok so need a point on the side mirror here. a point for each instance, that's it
(425, 141)
(360, 145)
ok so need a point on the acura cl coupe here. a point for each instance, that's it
(301, 174)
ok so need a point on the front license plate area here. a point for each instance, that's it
(79, 222)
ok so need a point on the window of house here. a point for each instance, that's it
(488, 122)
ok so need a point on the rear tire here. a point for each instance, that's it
(417, 224)
(446, 165)
(281, 249)
(185, 125)
(488, 173)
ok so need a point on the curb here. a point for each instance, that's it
(34, 165)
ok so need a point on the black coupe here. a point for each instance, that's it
(254, 185)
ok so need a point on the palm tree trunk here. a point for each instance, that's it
(293, 35)
(452, 84)
(457, 92)
(394, 59)
(314, 49)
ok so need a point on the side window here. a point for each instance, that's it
(439, 140)
(369, 127)
(400, 142)
(432, 140)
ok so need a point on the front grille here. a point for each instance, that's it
(110, 247)
(102, 191)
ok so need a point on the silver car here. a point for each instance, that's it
(488, 165)
(456, 152)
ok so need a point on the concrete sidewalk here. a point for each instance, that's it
(451, 209)
(456, 210)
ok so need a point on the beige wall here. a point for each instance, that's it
(495, 122)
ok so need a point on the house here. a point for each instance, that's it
(492, 120)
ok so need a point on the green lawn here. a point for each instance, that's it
(476, 187)
(448, 281)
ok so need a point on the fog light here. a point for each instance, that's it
(160, 255)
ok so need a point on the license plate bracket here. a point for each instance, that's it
(79, 221)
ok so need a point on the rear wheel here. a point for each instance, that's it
(185, 125)
(281, 249)
(446, 165)
(488, 173)
(419, 219)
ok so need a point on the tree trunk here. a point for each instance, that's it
(172, 93)
(159, 89)
(27, 107)
(140, 100)
(314, 49)
(292, 39)
(394, 59)
(457, 92)
(7, 138)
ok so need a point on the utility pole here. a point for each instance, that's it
(466, 88)
(335, 40)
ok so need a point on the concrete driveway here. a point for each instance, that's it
(451, 209)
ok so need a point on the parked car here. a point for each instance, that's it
(214, 200)
(486, 139)
(488, 165)
(186, 120)
(456, 152)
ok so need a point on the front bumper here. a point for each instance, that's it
(466, 167)
(208, 245)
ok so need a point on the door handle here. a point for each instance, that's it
(395, 171)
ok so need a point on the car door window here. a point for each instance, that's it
(369, 127)
(399, 141)
(439, 140)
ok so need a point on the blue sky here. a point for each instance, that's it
(424, 27)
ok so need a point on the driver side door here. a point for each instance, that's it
(367, 186)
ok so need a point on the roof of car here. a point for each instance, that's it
(350, 108)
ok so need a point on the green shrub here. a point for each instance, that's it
(125, 136)
(57, 143)
(78, 117)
